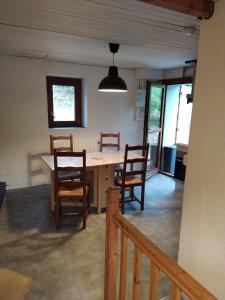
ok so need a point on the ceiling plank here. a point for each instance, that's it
(198, 8)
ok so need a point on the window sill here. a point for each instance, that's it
(69, 127)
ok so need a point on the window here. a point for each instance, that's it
(64, 102)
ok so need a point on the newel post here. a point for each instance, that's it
(111, 245)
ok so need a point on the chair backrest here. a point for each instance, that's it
(75, 162)
(104, 140)
(128, 160)
(61, 140)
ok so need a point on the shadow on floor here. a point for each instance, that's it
(69, 264)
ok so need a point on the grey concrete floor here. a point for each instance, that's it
(69, 264)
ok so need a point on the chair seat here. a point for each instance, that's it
(129, 181)
(71, 191)
(14, 286)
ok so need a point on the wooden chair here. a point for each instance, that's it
(67, 148)
(106, 144)
(133, 178)
(71, 189)
(68, 139)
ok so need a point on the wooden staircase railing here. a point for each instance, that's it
(181, 282)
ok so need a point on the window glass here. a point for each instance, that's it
(155, 107)
(153, 140)
(184, 116)
(63, 103)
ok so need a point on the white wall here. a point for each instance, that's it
(150, 74)
(23, 112)
(173, 73)
(154, 74)
(202, 242)
(179, 72)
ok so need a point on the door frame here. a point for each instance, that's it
(166, 82)
(173, 81)
(146, 118)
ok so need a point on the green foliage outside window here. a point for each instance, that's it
(155, 107)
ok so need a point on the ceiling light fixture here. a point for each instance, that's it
(112, 82)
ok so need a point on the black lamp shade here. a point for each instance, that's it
(112, 82)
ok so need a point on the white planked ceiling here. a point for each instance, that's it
(79, 31)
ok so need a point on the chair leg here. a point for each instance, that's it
(88, 204)
(84, 216)
(132, 193)
(60, 210)
(142, 197)
(84, 223)
(57, 213)
(122, 200)
(85, 212)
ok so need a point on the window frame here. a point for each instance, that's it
(64, 81)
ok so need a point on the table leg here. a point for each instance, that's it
(105, 176)
(52, 183)
(98, 189)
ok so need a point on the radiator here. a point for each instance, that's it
(90, 144)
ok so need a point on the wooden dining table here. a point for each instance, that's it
(100, 169)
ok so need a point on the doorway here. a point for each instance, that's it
(167, 124)
(153, 128)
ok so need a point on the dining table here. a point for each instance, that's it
(100, 173)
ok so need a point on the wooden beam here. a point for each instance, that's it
(198, 8)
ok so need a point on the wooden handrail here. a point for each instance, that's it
(182, 283)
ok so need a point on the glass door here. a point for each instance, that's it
(153, 125)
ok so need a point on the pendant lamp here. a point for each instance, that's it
(112, 82)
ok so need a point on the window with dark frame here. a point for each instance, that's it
(64, 102)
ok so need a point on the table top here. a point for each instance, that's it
(93, 159)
